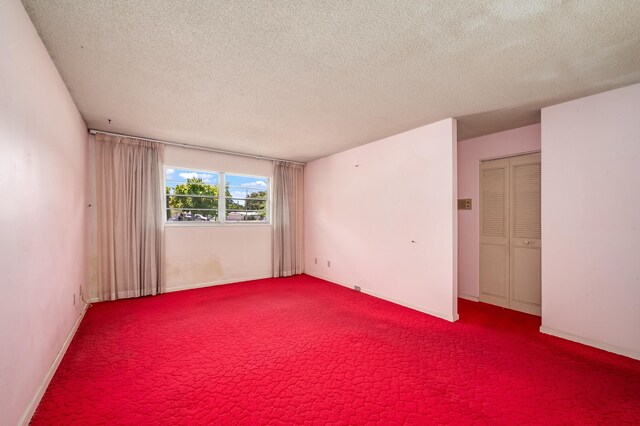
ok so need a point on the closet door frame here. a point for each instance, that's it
(508, 300)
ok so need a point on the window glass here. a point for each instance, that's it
(191, 195)
(194, 196)
(246, 198)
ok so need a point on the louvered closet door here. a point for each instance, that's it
(525, 254)
(494, 232)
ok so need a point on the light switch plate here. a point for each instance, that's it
(464, 204)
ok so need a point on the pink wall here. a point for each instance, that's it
(470, 153)
(43, 217)
(384, 215)
(591, 220)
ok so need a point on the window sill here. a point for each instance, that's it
(213, 225)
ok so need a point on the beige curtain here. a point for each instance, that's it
(288, 242)
(129, 198)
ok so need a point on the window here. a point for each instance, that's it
(246, 198)
(194, 196)
(191, 195)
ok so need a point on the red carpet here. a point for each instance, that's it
(303, 351)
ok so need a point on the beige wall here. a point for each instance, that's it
(202, 254)
(384, 215)
(205, 254)
(43, 159)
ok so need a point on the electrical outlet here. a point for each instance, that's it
(316, 260)
(328, 264)
(357, 288)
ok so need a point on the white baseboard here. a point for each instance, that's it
(585, 341)
(467, 297)
(393, 300)
(201, 285)
(414, 307)
(214, 283)
(35, 401)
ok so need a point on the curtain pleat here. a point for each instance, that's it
(288, 241)
(130, 217)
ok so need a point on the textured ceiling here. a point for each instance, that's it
(304, 79)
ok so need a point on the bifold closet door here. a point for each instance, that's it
(510, 244)
(494, 232)
(525, 254)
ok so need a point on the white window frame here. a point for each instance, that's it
(268, 203)
(222, 205)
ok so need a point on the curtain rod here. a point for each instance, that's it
(199, 147)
